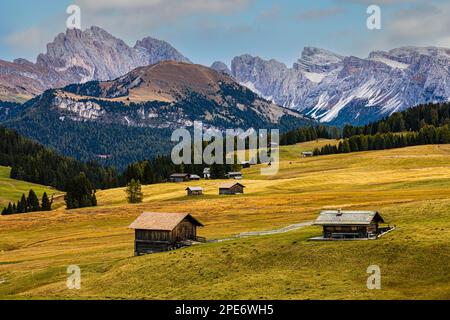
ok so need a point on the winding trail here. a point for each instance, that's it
(289, 228)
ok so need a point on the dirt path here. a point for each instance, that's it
(289, 228)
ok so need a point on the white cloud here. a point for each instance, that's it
(27, 43)
(164, 8)
(425, 24)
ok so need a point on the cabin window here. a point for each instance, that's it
(354, 228)
(338, 228)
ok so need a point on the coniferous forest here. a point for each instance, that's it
(421, 125)
(29, 204)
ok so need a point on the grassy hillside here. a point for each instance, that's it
(11, 190)
(410, 187)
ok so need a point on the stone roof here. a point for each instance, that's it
(339, 217)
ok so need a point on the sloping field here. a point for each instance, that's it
(410, 187)
(11, 190)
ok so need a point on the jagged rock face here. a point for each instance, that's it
(338, 90)
(152, 51)
(221, 67)
(166, 93)
(88, 55)
(78, 57)
(271, 79)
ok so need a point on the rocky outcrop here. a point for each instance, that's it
(77, 57)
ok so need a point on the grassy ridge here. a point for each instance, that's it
(11, 190)
(409, 186)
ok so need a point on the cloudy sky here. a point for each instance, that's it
(209, 30)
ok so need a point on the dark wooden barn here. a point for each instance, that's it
(338, 224)
(194, 191)
(235, 175)
(158, 232)
(231, 188)
(179, 177)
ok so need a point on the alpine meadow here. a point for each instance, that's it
(229, 159)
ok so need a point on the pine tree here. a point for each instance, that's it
(80, 193)
(33, 202)
(24, 204)
(9, 210)
(134, 192)
(46, 203)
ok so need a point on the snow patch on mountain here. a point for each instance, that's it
(337, 89)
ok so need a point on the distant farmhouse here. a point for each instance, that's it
(194, 177)
(235, 175)
(231, 189)
(307, 154)
(179, 177)
(194, 191)
(159, 232)
(338, 224)
(246, 164)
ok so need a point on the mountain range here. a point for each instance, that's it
(93, 97)
(131, 118)
(323, 85)
(337, 90)
(78, 57)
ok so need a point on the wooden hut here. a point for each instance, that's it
(194, 191)
(179, 177)
(235, 175)
(246, 164)
(231, 188)
(158, 232)
(338, 224)
(307, 154)
(194, 177)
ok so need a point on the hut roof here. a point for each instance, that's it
(179, 175)
(194, 176)
(230, 185)
(161, 221)
(338, 217)
(194, 188)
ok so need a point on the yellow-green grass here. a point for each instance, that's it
(410, 187)
(11, 190)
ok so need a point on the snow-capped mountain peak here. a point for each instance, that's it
(337, 89)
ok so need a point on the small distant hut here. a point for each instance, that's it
(246, 164)
(179, 177)
(235, 175)
(194, 191)
(231, 189)
(194, 177)
(338, 224)
(159, 232)
(307, 154)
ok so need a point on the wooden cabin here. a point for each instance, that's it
(194, 191)
(159, 232)
(231, 189)
(307, 154)
(338, 224)
(194, 177)
(235, 175)
(246, 164)
(179, 177)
